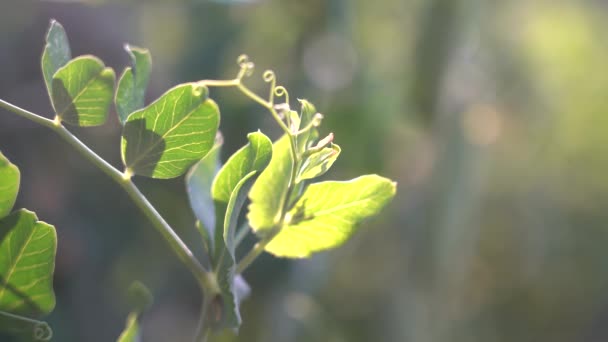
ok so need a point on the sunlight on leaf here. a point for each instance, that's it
(82, 91)
(133, 82)
(318, 163)
(229, 191)
(9, 185)
(269, 191)
(27, 258)
(328, 213)
(56, 53)
(178, 129)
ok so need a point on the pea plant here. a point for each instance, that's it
(177, 134)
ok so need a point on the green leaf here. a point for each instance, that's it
(318, 163)
(133, 83)
(254, 156)
(306, 116)
(140, 299)
(328, 213)
(56, 53)
(132, 330)
(229, 191)
(178, 129)
(82, 91)
(27, 261)
(9, 185)
(198, 185)
(270, 190)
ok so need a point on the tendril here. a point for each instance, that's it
(270, 77)
(42, 332)
(245, 65)
(280, 91)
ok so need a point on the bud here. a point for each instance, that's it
(316, 120)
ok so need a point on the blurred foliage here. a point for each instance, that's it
(491, 115)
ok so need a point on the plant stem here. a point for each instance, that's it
(204, 329)
(203, 277)
(254, 253)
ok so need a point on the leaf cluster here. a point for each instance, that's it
(292, 215)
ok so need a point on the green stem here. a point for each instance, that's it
(204, 278)
(253, 254)
(204, 329)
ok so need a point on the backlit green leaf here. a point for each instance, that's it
(229, 192)
(318, 163)
(254, 156)
(306, 116)
(82, 91)
(270, 190)
(167, 137)
(56, 53)
(9, 185)
(27, 262)
(328, 213)
(133, 83)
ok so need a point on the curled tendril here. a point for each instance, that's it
(270, 77)
(246, 66)
(242, 60)
(42, 332)
(280, 91)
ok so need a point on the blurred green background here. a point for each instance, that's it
(491, 115)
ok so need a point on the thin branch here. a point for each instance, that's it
(204, 278)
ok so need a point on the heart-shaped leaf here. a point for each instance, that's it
(270, 190)
(328, 213)
(56, 53)
(27, 261)
(82, 91)
(9, 185)
(318, 163)
(133, 83)
(178, 129)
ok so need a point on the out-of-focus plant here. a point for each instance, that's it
(291, 216)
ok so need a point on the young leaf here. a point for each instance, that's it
(254, 156)
(318, 163)
(9, 185)
(198, 185)
(229, 191)
(269, 191)
(306, 116)
(56, 53)
(82, 91)
(133, 83)
(132, 330)
(328, 213)
(27, 261)
(234, 180)
(140, 299)
(178, 129)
